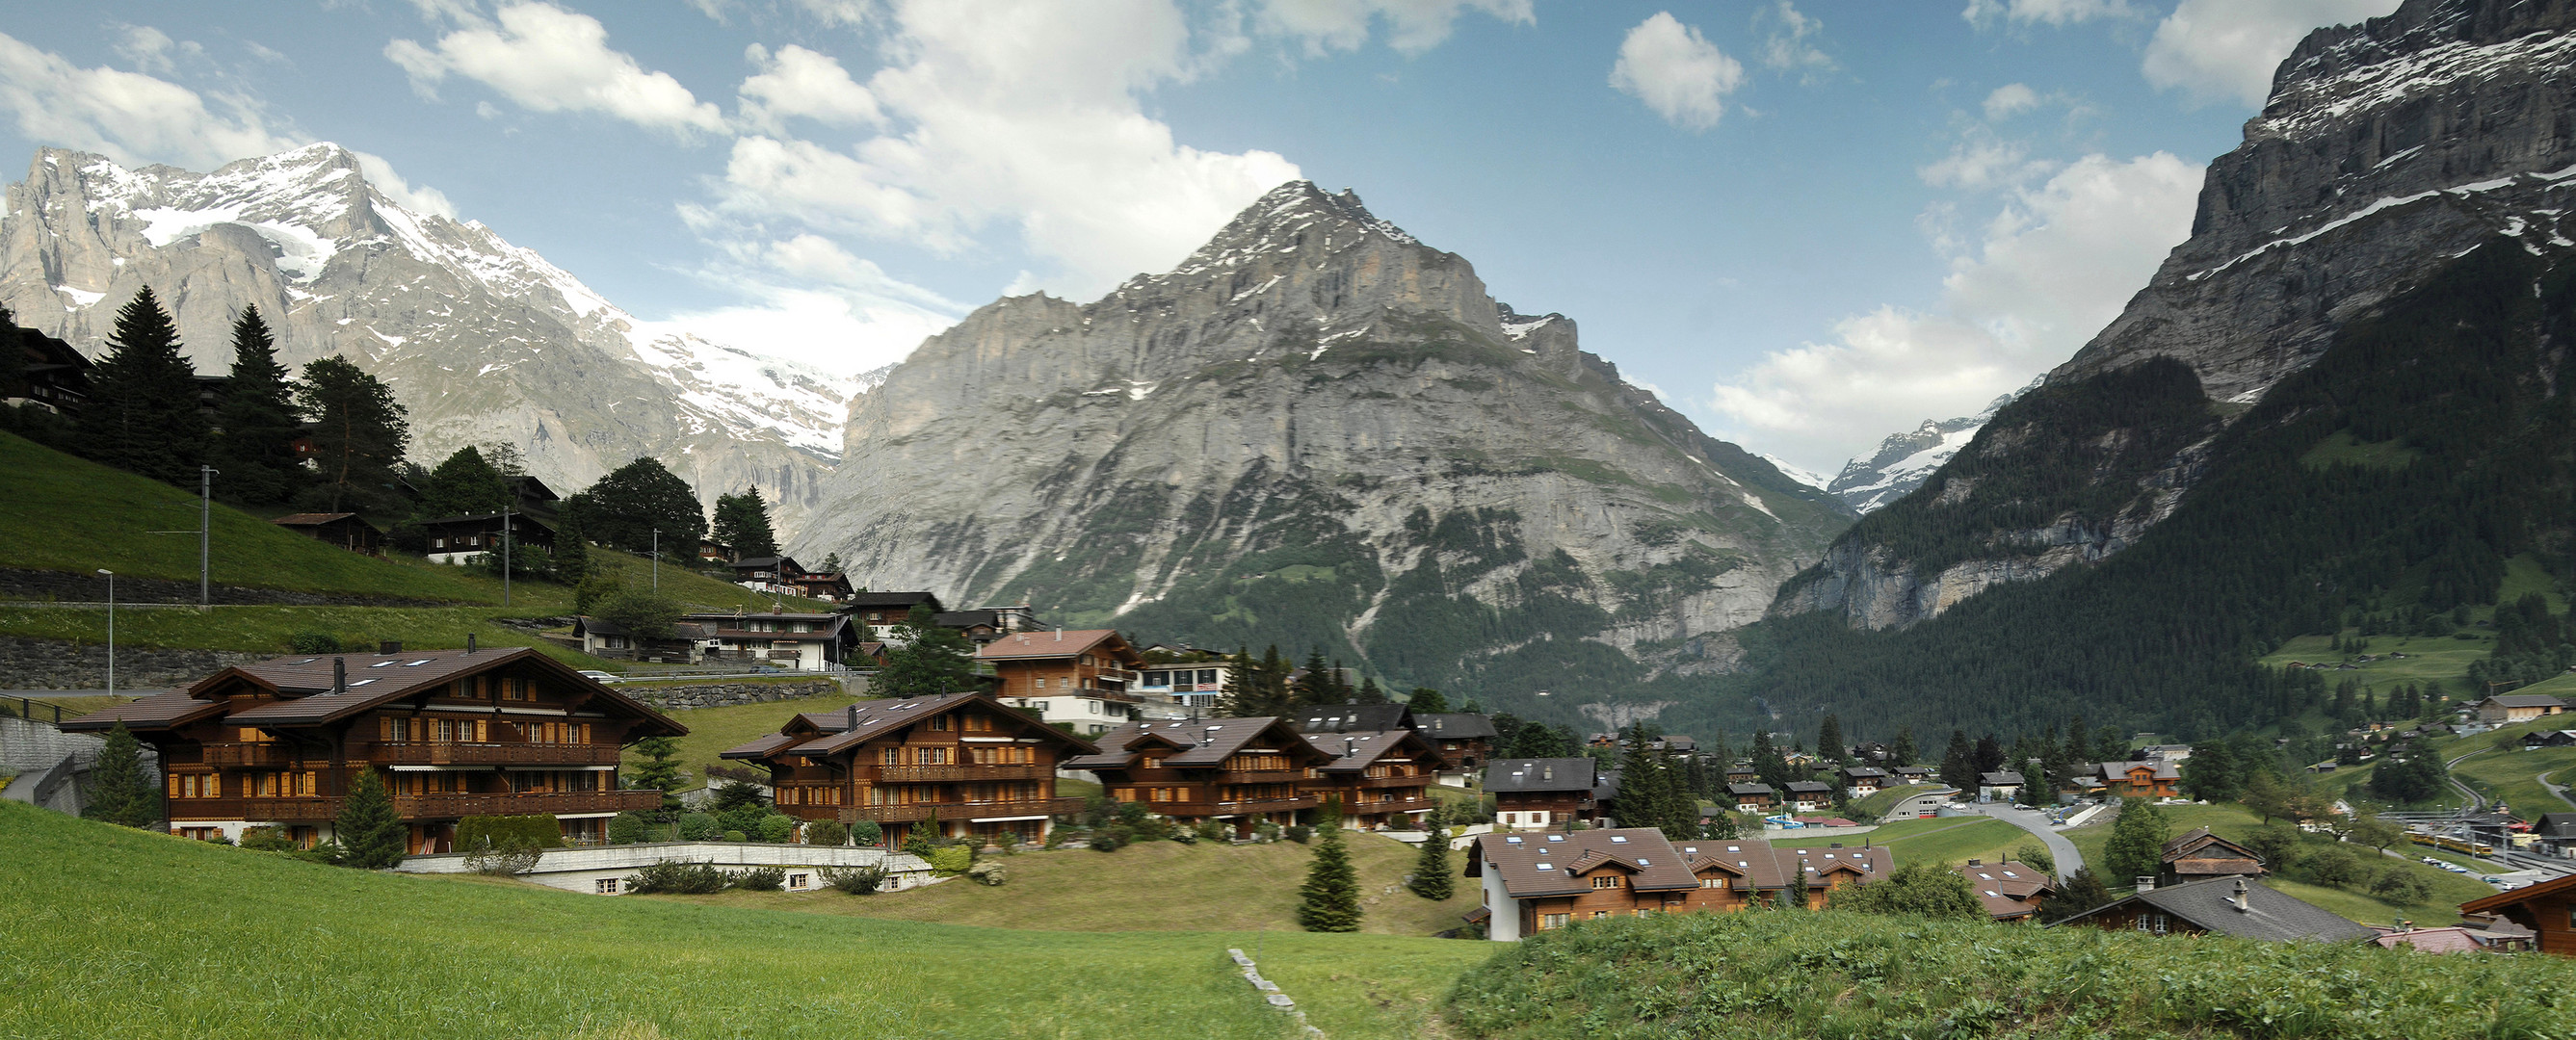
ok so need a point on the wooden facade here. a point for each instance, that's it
(1537, 882)
(964, 764)
(1239, 771)
(452, 733)
(2548, 908)
(1082, 679)
(1536, 793)
(346, 530)
(1382, 777)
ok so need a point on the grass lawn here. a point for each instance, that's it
(711, 730)
(1154, 886)
(2513, 777)
(1949, 839)
(270, 629)
(2234, 822)
(1877, 805)
(119, 933)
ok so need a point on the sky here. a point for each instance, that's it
(1806, 224)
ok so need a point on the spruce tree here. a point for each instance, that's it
(571, 561)
(143, 415)
(1431, 874)
(659, 772)
(1329, 901)
(1904, 753)
(368, 827)
(1370, 692)
(1829, 740)
(756, 538)
(360, 433)
(256, 445)
(120, 791)
(1959, 765)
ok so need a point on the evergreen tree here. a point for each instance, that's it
(924, 659)
(2083, 891)
(13, 358)
(659, 772)
(463, 484)
(832, 563)
(120, 791)
(2079, 744)
(256, 448)
(2137, 844)
(2210, 772)
(1768, 764)
(572, 548)
(1370, 692)
(143, 415)
(1427, 701)
(1432, 878)
(625, 507)
(1315, 685)
(742, 521)
(1904, 753)
(1959, 764)
(372, 835)
(359, 432)
(1829, 740)
(1988, 755)
(1329, 901)
(1645, 786)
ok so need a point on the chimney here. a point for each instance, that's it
(2238, 900)
(1349, 747)
(469, 642)
(1547, 772)
(1972, 863)
(1208, 736)
(778, 606)
(2146, 885)
(389, 647)
(854, 719)
(339, 675)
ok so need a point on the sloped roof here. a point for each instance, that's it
(2527, 700)
(1454, 726)
(1536, 864)
(2198, 851)
(2268, 915)
(1365, 747)
(823, 733)
(318, 519)
(881, 600)
(1742, 790)
(303, 687)
(1031, 645)
(1863, 772)
(1540, 774)
(1336, 718)
(2159, 768)
(1809, 787)
(2001, 778)
(2012, 878)
(1203, 743)
(2448, 939)
(158, 711)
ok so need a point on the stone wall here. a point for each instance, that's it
(46, 664)
(77, 587)
(717, 695)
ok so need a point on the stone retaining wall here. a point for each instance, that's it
(47, 664)
(70, 587)
(718, 695)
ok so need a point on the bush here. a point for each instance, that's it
(628, 828)
(515, 857)
(502, 832)
(988, 872)
(698, 826)
(1185, 835)
(777, 829)
(313, 643)
(951, 860)
(1103, 841)
(828, 832)
(744, 818)
(267, 839)
(857, 881)
(1300, 833)
(328, 852)
(1055, 837)
(2399, 885)
(736, 836)
(866, 832)
(760, 879)
(687, 879)
(1266, 831)
(1210, 830)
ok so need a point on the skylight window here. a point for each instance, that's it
(1547, 866)
(1556, 837)
(1618, 839)
(1992, 894)
(1811, 868)
(359, 683)
(1734, 848)
(1642, 861)
(1514, 840)
(1985, 875)
(382, 664)
(308, 660)
(1692, 849)
(418, 663)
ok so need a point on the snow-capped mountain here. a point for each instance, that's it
(1904, 460)
(481, 340)
(1796, 472)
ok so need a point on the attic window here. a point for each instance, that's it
(914, 704)
(1829, 855)
(1992, 894)
(1985, 875)
(1741, 863)
(1811, 868)
(308, 660)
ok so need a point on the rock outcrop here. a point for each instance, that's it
(2385, 150)
(1320, 432)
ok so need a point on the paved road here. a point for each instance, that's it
(2063, 851)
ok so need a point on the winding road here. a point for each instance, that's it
(2063, 851)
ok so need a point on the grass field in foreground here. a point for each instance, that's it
(119, 933)
(1156, 886)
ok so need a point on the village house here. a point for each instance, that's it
(2548, 738)
(1537, 882)
(452, 733)
(780, 639)
(1912, 774)
(2547, 908)
(2238, 906)
(603, 638)
(457, 539)
(1465, 742)
(1863, 781)
(1239, 771)
(1742, 773)
(1199, 684)
(2174, 753)
(962, 764)
(1078, 679)
(1537, 793)
(717, 552)
(2198, 854)
(2011, 890)
(1810, 796)
(346, 530)
(1383, 777)
(881, 611)
(1752, 797)
(830, 588)
(1999, 786)
(2136, 779)
(52, 375)
(1340, 718)
(2518, 707)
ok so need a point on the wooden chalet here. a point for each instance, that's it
(1240, 771)
(2236, 906)
(2011, 890)
(1752, 797)
(1863, 781)
(2144, 778)
(2199, 855)
(830, 587)
(1538, 882)
(717, 552)
(963, 763)
(2518, 707)
(603, 638)
(1537, 793)
(766, 570)
(1079, 678)
(2548, 908)
(453, 733)
(346, 530)
(1465, 742)
(1383, 777)
(2001, 785)
(52, 374)
(1810, 796)
(782, 638)
(881, 611)
(455, 539)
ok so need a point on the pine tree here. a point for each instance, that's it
(368, 828)
(1427, 701)
(1988, 755)
(143, 415)
(1316, 686)
(1370, 692)
(1329, 901)
(742, 521)
(832, 563)
(572, 548)
(1904, 753)
(120, 791)
(1959, 764)
(1768, 763)
(1431, 874)
(2084, 891)
(256, 448)
(1829, 740)
(360, 433)
(658, 771)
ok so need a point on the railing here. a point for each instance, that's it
(1249, 805)
(1423, 780)
(1116, 675)
(465, 754)
(526, 803)
(41, 711)
(282, 810)
(1262, 776)
(254, 754)
(960, 810)
(917, 774)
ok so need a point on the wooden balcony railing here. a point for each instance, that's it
(1249, 805)
(261, 754)
(257, 810)
(528, 803)
(442, 753)
(960, 810)
(922, 774)
(1261, 776)
(1373, 782)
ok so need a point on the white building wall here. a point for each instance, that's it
(1504, 921)
(581, 869)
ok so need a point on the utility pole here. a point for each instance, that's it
(657, 559)
(111, 630)
(205, 535)
(505, 556)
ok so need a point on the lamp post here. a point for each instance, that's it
(111, 630)
(205, 534)
(505, 556)
(657, 559)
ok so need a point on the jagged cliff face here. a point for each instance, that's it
(1316, 431)
(2385, 150)
(481, 340)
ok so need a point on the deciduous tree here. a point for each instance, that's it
(463, 483)
(926, 660)
(627, 506)
(2136, 848)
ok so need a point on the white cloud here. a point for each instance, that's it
(2226, 50)
(2009, 100)
(1676, 72)
(2053, 12)
(549, 59)
(2054, 266)
(1412, 26)
(150, 49)
(1979, 161)
(809, 300)
(128, 116)
(799, 83)
(1789, 47)
(416, 198)
(1022, 114)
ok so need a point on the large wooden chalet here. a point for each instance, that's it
(1079, 678)
(1237, 771)
(1537, 882)
(453, 733)
(1465, 742)
(1537, 793)
(1383, 777)
(962, 763)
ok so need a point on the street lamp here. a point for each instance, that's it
(657, 559)
(111, 630)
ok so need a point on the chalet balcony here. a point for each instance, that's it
(1376, 782)
(257, 810)
(259, 754)
(970, 773)
(1259, 776)
(954, 811)
(1249, 805)
(463, 754)
(523, 804)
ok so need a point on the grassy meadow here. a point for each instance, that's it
(1949, 839)
(2234, 822)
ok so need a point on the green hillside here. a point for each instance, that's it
(2465, 500)
(119, 933)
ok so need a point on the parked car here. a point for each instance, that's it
(596, 676)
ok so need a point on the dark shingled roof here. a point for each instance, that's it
(1539, 864)
(1335, 718)
(1741, 790)
(832, 732)
(2269, 915)
(1454, 726)
(882, 600)
(1540, 774)
(2528, 700)
(302, 685)
(1223, 737)
(2000, 778)
(1366, 747)
(1809, 787)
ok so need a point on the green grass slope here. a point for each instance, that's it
(1763, 976)
(119, 933)
(1949, 839)
(2234, 822)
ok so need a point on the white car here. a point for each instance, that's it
(596, 676)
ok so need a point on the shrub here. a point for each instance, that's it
(777, 829)
(919, 844)
(627, 828)
(987, 872)
(1103, 841)
(267, 839)
(828, 832)
(313, 643)
(2399, 885)
(744, 818)
(736, 836)
(1055, 837)
(1299, 833)
(515, 857)
(501, 832)
(1266, 831)
(698, 826)
(688, 879)
(1210, 830)
(1185, 835)
(857, 881)
(866, 832)
(951, 860)
(759, 879)
(328, 852)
